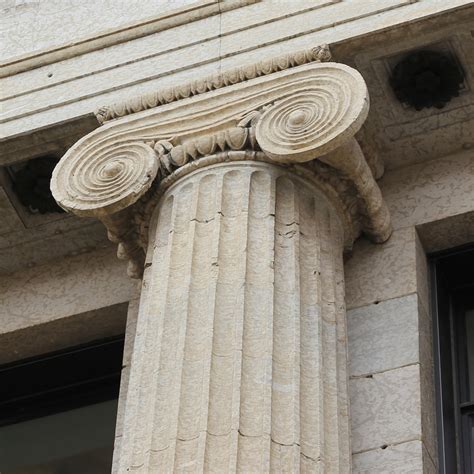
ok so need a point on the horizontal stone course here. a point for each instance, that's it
(385, 408)
(383, 336)
(63, 288)
(403, 457)
(430, 191)
(376, 273)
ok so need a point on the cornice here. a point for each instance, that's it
(113, 36)
(292, 111)
(214, 81)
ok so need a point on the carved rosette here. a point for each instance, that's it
(294, 112)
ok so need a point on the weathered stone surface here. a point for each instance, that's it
(450, 232)
(378, 273)
(52, 335)
(430, 191)
(57, 290)
(201, 47)
(383, 336)
(245, 275)
(239, 357)
(130, 335)
(385, 408)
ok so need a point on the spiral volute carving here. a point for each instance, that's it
(316, 120)
(105, 180)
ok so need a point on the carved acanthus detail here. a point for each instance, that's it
(307, 114)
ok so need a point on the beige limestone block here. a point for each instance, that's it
(377, 273)
(450, 232)
(383, 336)
(70, 286)
(394, 333)
(430, 191)
(390, 335)
(239, 359)
(404, 457)
(385, 408)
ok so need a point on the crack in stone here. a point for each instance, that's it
(370, 375)
(389, 445)
(202, 222)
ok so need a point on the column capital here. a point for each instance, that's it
(294, 109)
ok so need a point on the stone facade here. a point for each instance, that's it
(277, 227)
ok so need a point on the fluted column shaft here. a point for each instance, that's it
(239, 362)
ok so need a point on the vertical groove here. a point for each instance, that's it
(172, 312)
(198, 328)
(310, 340)
(285, 315)
(329, 346)
(220, 441)
(341, 350)
(143, 428)
(240, 361)
(256, 331)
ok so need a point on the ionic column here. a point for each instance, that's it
(245, 354)
(239, 360)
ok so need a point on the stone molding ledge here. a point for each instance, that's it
(289, 110)
(213, 82)
(118, 35)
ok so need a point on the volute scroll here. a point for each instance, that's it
(110, 179)
(317, 119)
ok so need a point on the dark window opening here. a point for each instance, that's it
(453, 303)
(31, 181)
(58, 410)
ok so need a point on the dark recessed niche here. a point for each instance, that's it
(424, 79)
(31, 185)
